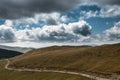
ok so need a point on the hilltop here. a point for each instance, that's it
(100, 59)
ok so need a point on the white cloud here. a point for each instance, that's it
(53, 18)
(77, 32)
(6, 32)
(110, 11)
(64, 19)
(88, 14)
(56, 33)
(49, 19)
(8, 23)
(114, 32)
(106, 11)
(26, 35)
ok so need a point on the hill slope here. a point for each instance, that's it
(14, 75)
(101, 59)
(8, 53)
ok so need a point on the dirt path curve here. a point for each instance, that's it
(66, 72)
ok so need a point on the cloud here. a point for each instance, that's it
(114, 32)
(110, 11)
(6, 32)
(49, 19)
(108, 2)
(102, 2)
(56, 33)
(104, 12)
(64, 19)
(12, 9)
(15, 9)
(73, 32)
(53, 18)
(88, 14)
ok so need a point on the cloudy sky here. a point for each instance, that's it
(32, 23)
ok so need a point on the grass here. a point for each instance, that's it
(13, 75)
(101, 59)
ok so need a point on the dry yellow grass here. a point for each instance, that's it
(101, 59)
(15, 75)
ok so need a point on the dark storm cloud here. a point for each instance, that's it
(109, 2)
(85, 30)
(11, 9)
(51, 22)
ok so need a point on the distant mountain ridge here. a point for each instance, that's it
(19, 49)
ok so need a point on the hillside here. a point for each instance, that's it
(8, 53)
(100, 59)
(15, 75)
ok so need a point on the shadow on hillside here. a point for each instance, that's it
(8, 53)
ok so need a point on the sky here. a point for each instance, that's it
(40, 23)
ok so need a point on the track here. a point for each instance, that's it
(65, 72)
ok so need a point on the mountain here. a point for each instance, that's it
(19, 49)
(99, 59)
(8, 53)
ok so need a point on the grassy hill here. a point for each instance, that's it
(8, 53)
(101, 59)
(14, 75)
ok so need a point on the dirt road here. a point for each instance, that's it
(65, 72)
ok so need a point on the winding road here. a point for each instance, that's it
(66, 72)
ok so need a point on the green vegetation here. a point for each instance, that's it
(101, 59)
(13, 75)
